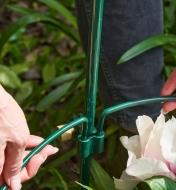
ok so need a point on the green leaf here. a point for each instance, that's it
(56, 5)
(78, 82)
(19, 68)
(33, 18)
(61, 179)
(101, 178)
(25, 90)
(62, 79)
(21, 10)
(77, 57)
(111, 149)
(49, 71)
(17, 35)
(146, 45)
(58, 81)
(9, 78)
(53, 96)
(85, 187)
(159, 183)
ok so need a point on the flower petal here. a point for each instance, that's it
(144, 125)
(126, 182)
(131, 158)
(132, 144)
(153, 148)
(168, 141)
(160, 121)
(145, 168)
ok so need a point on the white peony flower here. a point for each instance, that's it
(151, 153)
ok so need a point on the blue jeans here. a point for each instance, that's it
(127, 22)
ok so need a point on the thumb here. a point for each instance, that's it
(170, 85)
(13, 164)
(169, 88)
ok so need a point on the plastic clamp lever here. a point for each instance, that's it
(92, 145)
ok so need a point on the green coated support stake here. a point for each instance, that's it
(93, 62)
(92, 82)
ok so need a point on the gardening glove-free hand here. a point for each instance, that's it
(168, 89)
(14, 138)
(14, 134)
(36, 161)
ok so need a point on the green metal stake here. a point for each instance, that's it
(92, 82)
(93, 62)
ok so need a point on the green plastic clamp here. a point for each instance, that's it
(92, 145)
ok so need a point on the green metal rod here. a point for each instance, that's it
(48, 140)
(92, 82)
(85, 170)
(93, 60)
(129, 104)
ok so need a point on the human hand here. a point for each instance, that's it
(14, 135)
(169, 88)
(34, 164)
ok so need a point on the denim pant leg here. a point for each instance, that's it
(127, 22)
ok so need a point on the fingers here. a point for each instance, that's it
(2, 156)
(33, 141)
(12, 174)
(32, 167)
(2, 159)
(34, 164)
(13, 162)
(15, 133)
(169, 106)
(170, 85)
(169, 88)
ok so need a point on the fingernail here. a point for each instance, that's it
(55, 149)
(15, 183)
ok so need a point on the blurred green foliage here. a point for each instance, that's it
(42, 65)
(170, 28)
